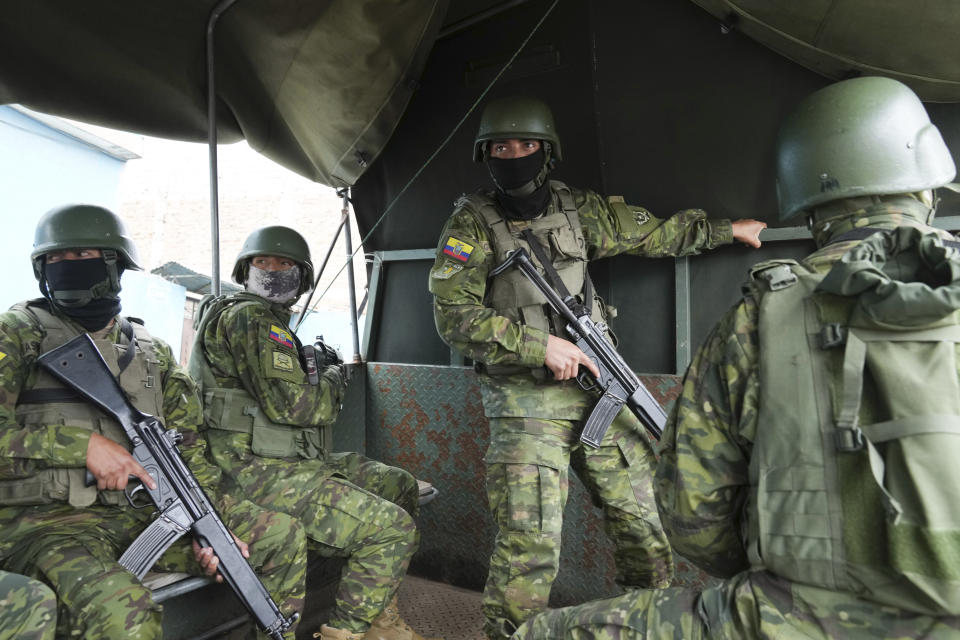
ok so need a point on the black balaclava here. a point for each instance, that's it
(82, 290)
(522, 189)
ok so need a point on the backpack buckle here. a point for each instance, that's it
(849, 439)
(778, 277)
(832, 335)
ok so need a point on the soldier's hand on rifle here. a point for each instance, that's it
(209, 562)
(564, 358)
(112, 465)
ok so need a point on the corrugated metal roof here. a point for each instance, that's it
(193, 281)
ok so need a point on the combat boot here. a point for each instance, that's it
(330, 633)
(390, 626)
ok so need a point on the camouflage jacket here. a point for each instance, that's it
(65, 446)
(702, 480)
(471, 327)
(248, 346)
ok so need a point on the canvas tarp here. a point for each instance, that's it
(913, 42)
(315, 85)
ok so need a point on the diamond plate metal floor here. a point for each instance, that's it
(441, 610)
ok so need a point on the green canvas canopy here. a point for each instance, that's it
(316, 85)
(915, 43)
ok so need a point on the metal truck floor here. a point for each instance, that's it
(441, 610)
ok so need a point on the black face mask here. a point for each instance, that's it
(513, 174)
(524, 207)
(69, 284)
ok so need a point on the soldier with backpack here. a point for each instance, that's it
(811, 458)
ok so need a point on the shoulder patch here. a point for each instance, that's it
(457, 249)
(448, 270)
(282, 361)
(614, 198)
(281, 336)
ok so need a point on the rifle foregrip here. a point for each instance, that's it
(600, 419)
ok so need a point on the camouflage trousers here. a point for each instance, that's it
(527, 482)
(350, 507)
(75, 551)
(28, 609)
(749, 605)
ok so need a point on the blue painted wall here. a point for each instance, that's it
(41, 168)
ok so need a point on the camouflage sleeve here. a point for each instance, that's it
(458, 282)
(612, 227)
(182, 411)
(265, 358)
(56, 444)
(702, 478)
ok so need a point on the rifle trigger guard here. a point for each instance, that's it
(584, 381)
(131, 494)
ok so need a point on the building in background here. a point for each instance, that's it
(162, 192)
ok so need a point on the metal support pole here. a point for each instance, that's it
(350, 280)
(218, 11)
(316, 281)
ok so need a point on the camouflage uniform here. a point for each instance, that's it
(350, 507)
(535, 423)
(703, 483)
(75, 548)
(28, 609)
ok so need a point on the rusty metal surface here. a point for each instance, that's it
(429, 420)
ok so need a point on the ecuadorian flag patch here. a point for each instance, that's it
(278, 334)
(457, 249)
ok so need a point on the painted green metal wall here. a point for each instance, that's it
(429, 420)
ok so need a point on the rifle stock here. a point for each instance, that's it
(618, 384)
(181, 502)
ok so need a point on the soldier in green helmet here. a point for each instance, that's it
(264, 414)
(536, 409)
(811, 458)
(53, 526)
(28, 609)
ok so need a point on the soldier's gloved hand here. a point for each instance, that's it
(112, 464)
(564, 358)
(209, 562)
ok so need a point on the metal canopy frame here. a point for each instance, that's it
(682, 307)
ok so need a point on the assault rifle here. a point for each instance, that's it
(617, 384)
(181, 504)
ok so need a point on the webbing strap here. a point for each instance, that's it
(127, 330)
(46, 396)
(913, 426)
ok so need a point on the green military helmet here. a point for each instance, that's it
(275, 241)
(83, 226)
(859, 137)
(519, 117)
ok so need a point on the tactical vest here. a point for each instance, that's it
(855, 480)
(561, 237)
(46, 401)
(235, 409)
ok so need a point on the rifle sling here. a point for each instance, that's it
(555, 280)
